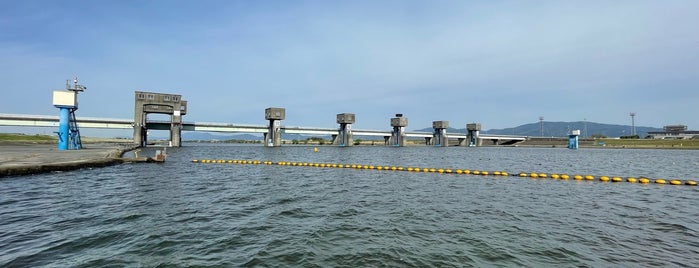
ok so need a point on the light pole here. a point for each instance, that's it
(541, 126)
(633, 124)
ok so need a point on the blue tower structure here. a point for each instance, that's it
(573, 139)
(67, 102)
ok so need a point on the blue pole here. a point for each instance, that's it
(63, 128)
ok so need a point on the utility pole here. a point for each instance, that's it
(633, 124)
(541, 126)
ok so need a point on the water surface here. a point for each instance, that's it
(192, 214)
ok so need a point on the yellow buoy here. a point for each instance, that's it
(466, 171)
(504, 173)
(533, 175)
(476, 172)
(458, 171)
(496, 173)
(643, 180)
(542, 175)
(660, 181)
(631, 180)
(675, 182)
(410, 169)
(554, 176)
(315, 149)
(440, 170)
(589, 177)
(432, 170)
(565, 177)
(522, 174)
(484, 173)
(195, 161)
(690, 183)
(616, 179)
(604, 178)
(577, 177)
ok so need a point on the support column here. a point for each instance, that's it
(440, 133)
(473, 133)
(139, 130)
(345, 133)
(573, 139)
(139, 123)
(66, 101)
(273, 138)
(398, 136)
(176, 128)
(64, 128)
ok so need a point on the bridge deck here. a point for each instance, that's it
(112, 123)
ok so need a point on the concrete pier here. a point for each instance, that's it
(24, 159)
(473, 133)
(439, 137)
(344, 137)
(398, 135)
(273, 137)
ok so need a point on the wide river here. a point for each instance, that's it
(181, 213)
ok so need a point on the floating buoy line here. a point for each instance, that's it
(532, 175)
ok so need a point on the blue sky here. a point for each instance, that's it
(501, 63)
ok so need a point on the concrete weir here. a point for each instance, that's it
(273, 137)
(158, 103)
(439, 137)
(344, 136)
(398, 135)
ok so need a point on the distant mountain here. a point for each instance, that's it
(205, 136)
(551, 129)
(561, 129)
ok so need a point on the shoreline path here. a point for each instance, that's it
(29, 158)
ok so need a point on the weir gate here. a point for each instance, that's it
(173, 105)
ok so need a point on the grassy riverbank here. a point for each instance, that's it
(648, 143)
(49, 139)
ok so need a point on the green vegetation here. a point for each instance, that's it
(24, 137)
(650, 143)
(630, 137)
(312, 140)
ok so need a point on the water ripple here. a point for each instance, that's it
(184, 214)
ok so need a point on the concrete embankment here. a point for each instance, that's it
(24, 159)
